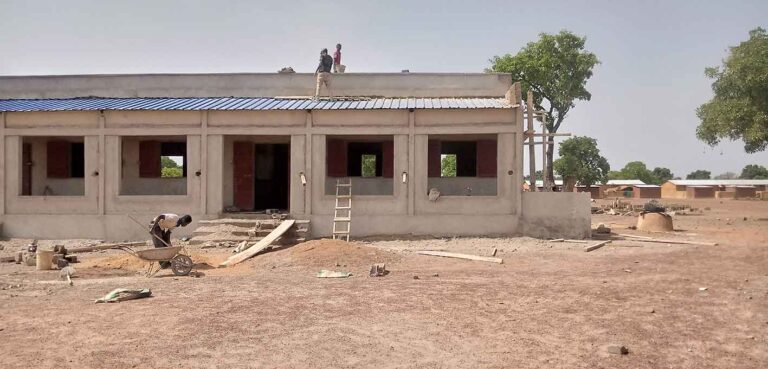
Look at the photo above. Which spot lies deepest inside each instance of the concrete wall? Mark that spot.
(671, 191)
(255, 85)
(463, 186)
(364, 186)
(556, 214)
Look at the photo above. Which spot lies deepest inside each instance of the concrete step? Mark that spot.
(246, 223)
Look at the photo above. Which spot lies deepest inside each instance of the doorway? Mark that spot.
(261, 176)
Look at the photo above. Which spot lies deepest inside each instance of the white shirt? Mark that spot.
(169, 222)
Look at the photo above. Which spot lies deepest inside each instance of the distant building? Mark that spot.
(721, 188)
(645, 191)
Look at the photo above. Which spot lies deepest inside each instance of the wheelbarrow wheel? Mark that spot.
(181, 265)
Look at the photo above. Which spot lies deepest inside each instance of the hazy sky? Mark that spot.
(644, 94)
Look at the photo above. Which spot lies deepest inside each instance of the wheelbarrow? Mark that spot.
(180, 264)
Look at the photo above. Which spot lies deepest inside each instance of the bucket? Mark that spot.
(44, 259)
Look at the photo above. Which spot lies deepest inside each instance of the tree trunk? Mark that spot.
(549, 173)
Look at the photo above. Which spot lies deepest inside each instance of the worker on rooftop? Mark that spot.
(323, 72)
(337, 67)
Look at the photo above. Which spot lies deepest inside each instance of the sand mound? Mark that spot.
(326, 253)
(131, 263)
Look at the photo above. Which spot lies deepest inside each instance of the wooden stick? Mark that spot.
(104, 246)
(596, 246)
(634, 236)
(681, 242)
(460, 256)
(577, 241)
(557, 240)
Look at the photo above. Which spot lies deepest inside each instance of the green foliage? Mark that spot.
(739, 109)
(171, 172)
(556, 68)
(699, 174)
(580, 158)
(754, 171)
(661, 175)
(528, 176)
(635, 170)
(167, 162)
(727, 175)
(369, 166)
(448, 166)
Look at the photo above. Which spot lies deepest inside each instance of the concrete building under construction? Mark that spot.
(79, 153)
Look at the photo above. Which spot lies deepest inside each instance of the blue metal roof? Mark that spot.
(248, 103)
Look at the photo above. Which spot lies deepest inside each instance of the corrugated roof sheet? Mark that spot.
(248, 103)
(719, 182)
(624, 182)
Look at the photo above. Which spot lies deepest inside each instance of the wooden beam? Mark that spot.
(678, 242)
(596, 246)
(460, 256)
(531, 149)
(261, 245)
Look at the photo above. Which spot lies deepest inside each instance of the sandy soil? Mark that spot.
(548, 305)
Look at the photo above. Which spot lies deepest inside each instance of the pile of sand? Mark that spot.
(327, 253)
(131, 263)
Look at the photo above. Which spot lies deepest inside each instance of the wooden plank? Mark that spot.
(596, 246)
(531, 150)
(679, 242)
(634, 236)
(460, 256)
(261, 245)
(104, 246)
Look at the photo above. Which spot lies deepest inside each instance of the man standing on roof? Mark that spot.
(323, 72)
(337, 67)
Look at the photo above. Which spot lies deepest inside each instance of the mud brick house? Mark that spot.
(79, 153)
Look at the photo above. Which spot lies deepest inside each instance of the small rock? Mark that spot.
(617, 350)
(435, 275)
(703, 288)
(751, 337)
(415, 277)
(627, 270)
(651, 310)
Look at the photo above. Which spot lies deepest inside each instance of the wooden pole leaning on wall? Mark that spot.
(531, 148)
(544, 180)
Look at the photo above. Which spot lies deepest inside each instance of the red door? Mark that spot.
(243, 175)
(26, 171)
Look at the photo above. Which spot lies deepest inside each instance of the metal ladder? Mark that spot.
(342, 213)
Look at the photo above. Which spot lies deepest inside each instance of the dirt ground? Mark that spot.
(548, 305)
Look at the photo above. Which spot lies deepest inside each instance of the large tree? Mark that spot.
(635, 170)
(556, 68)
(727, 175)
(580, 159)
(739, 108)
(754, 171)
(662, 175)
(699, 174)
